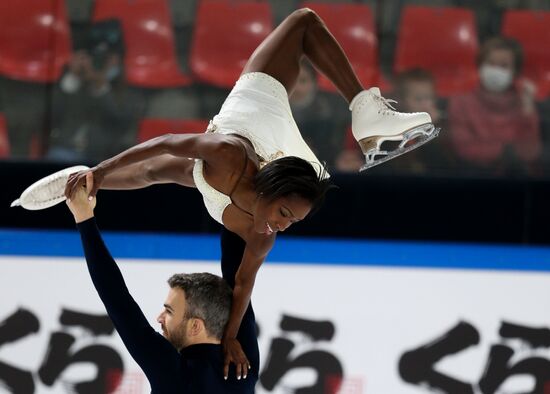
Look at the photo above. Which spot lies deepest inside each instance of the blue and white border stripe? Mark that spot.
(288, 250)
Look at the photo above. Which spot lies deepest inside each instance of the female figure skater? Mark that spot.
(255, 172)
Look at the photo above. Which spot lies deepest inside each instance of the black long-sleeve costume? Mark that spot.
(197, 368)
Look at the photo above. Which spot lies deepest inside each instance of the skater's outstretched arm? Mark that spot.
(304, 33)
(159, 169)
(150, 157)
(253, 255)
(233, 248)
(156, 356)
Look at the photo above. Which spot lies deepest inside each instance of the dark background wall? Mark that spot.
(364, 206)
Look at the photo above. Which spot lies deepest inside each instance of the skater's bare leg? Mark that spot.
(303, 33)
(374, 121)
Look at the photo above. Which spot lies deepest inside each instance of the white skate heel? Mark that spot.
(374, 121)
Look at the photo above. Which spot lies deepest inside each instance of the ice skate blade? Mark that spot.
(400, 151)
(371, 145)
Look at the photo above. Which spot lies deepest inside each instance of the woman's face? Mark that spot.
(496, 73)
(502, 58)
(276, 215)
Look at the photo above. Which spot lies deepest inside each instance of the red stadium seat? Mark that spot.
(354, 28)
(532, 30)
(442, 40)
(150, 58)
(4, 139)
(35, 41)
(152, 127)
(226, 33)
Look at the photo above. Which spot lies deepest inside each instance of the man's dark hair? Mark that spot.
(292, 175)
(208, 298)
(506, 43)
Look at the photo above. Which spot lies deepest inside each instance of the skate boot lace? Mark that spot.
(385, 107)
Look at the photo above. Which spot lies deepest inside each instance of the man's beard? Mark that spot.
(178, 338)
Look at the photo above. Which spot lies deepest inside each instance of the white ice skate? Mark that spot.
(374, 120)
(47, 191)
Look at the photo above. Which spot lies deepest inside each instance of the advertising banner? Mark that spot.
(333, 316)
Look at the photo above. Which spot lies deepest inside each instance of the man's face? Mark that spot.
(420, 96)
(172, 318)
(304, 89)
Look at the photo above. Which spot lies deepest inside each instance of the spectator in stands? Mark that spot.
(94, 111)
(315, 117)
(495, 128)
(415, 91)
(350, 159)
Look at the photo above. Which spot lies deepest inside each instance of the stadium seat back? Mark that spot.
(35, 41)
(532, 30)
(442, 40)
(150, 60)
(225, 35)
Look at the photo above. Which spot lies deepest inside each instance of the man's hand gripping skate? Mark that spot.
(80, 205)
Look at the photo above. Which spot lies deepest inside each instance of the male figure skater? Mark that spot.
(187, 357)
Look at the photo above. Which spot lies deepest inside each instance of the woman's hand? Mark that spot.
(80, 180)
(233, 353)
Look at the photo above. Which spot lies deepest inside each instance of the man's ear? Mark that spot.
(196, 327)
